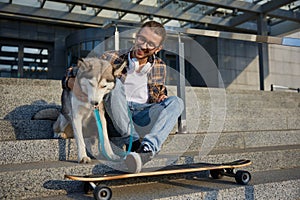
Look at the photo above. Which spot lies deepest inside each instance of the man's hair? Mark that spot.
(157, 28)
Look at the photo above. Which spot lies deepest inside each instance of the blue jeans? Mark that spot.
(152, 122)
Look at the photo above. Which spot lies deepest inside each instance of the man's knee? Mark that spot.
(176, 103)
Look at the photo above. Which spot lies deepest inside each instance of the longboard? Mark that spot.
(217, 171)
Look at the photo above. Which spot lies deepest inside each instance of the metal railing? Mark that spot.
(279, 87)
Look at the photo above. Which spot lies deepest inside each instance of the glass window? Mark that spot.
(26, 68)
(5, 68)
(82, 46)
(28, 59)
(9, 48)
(32, 50)
(45, 52)
(7, 58)
(14, 67)
(89, 45)
(34, 60)
(96, 43)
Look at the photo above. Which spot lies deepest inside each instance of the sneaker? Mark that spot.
(135, 160)
(145, 153)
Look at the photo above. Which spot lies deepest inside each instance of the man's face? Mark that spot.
(146, 44)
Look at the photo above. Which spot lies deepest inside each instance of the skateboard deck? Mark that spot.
(216, 172)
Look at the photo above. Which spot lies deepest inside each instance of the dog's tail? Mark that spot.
(47, 114)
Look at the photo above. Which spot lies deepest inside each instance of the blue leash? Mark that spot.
(101, 136)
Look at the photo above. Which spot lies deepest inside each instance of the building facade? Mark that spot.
(45, 50)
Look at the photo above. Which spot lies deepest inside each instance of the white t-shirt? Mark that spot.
(136, 87)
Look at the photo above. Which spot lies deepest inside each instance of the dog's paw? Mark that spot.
(85, 160)
(60, 135)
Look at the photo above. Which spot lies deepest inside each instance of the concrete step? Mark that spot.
(237, 94)
(207, 109)
(238, 102)
(26, 112)
(231, 140)
(22, 151)
(242, 98)
(36, 180)
(235, 112)
(261, 112)
(240, 124)
(24, 97)
(274, 184)
(42, 129)
(20, 96)
(263, 158)
(25, 129)
(23, 181)
(50, 90)
(26, 151)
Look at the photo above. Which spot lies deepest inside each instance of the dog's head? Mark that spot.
(96, 78)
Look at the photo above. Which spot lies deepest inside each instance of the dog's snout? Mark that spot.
(94, 103)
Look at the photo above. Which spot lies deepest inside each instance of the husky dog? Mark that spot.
(95, 79)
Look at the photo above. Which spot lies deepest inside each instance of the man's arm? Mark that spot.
(157, 93)
(156, 82)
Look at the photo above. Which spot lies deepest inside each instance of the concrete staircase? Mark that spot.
(223, 126)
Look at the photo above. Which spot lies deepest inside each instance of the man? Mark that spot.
(142, 89)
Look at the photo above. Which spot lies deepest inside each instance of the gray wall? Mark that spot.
(238, 64)
(284, 65)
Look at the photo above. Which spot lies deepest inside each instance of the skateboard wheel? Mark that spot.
(102, 193)
(242, 177)
(217, 173)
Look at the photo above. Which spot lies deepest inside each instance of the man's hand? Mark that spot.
(162, 97)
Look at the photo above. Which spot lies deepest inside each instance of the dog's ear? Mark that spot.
(119, 69)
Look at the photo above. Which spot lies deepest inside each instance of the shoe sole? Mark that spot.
(133, 162)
